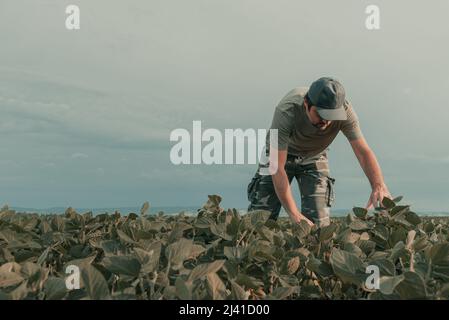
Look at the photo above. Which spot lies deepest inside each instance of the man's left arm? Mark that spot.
(370, 166)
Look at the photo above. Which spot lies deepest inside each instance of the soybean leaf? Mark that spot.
(95, 284)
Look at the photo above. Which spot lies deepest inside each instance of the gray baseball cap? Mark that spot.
(328, 96)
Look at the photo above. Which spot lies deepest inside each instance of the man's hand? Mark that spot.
(297, 219)
(371, 167)
(378, 193)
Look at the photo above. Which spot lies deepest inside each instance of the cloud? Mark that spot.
(72, 113)
(118, 89)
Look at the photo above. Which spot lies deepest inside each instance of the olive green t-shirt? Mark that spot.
(298, 135)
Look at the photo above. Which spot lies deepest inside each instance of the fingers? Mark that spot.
(386, 193)
(372, 202)
(310, 222)
(376, 197)
(377, 201)
(369, 205)
(298, 220)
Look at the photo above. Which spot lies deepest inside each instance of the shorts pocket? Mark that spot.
(252, 187)
(330, 192)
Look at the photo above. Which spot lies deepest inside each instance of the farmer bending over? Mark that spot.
(307, 121)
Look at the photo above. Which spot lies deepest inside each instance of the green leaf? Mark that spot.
(178, 252)
(213, 203)
(111, 247)
(248, 281)
(183, 289)
(238, 293)
(153, 264)
(146, 259)
(234, 253)
(386, 267)
(259, 216)
(95, 284)
(292, 265)
(420, 243)
(232, 228)
(321, 268)
(282, 293)
(360, 212)
(216, 287)
(8, 279)
(81, 263)
(388, 203)
(178, 231)
(398, 251)
(55, 289)
(328, 232)
(127, 265)
(196, 251)
(20, 292)
(57, 223)
(347, 266)
(31, 270)
(387, 284)
(10, 274)
(359, 225)
(301, 229)
(353, 248)
(439, 253)
(43, 257)
(412, 287)
(266, 233)
(413, 218)
(124, 237)
(220, 231)
(144, 208)
(204, 269)
(399, 210)
(367, 246)
(398, 235)
(380, 232)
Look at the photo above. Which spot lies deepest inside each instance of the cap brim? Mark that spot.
(333, 114)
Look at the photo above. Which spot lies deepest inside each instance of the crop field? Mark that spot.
(220, 254)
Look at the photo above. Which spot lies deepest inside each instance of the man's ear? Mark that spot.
(306, 103)
(308, 107)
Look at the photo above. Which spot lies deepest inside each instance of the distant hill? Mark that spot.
(175, 210)
(122, 210)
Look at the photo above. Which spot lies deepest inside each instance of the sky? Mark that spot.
(86, 115)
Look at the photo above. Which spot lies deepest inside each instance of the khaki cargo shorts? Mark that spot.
(315, 185)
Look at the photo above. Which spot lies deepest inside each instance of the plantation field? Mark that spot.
(219, 254)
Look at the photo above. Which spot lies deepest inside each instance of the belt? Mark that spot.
(291, 157)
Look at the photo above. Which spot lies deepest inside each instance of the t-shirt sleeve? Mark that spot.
(351, 126)
(283, 123)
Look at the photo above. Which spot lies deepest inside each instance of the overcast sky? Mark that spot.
(86, 115)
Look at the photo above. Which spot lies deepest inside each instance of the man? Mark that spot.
(307, 121)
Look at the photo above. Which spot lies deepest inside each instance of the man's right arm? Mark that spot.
(282, 185)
